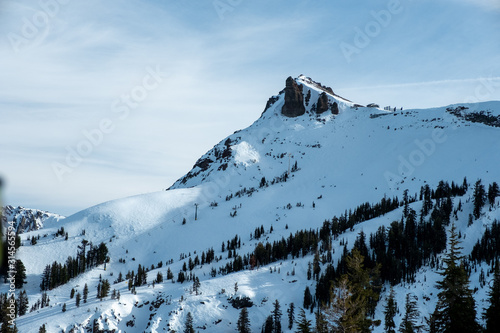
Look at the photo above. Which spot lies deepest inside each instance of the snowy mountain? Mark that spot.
(312, 155)
(28, 219)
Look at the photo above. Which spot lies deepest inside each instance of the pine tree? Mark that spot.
(389, 313)
(493, 192)
(344, 314)
(276, 317)
(22, 302)
(42, 329)
(291, 315)
(455, 310)
(492, 313)
(321, 322)
(188, 325)
(268, 325)
(307, 298)
(20, 277)
(243, 323)
(77, 299)
(427, 204)
(409, 322)
(85, 293)
(303, 324)
(479, 198)
(8, 323)
(354, 297)
(196, 286)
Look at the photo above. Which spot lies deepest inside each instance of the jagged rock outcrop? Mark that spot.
(294, 99)
(270, 102)
(322, 104)
(335, 108)
(27, 219)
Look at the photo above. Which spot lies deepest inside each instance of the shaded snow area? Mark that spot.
(288, 174)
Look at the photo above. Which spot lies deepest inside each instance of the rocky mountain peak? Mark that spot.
(294, 99)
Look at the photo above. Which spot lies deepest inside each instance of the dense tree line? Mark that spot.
(400, 250)
(488, 247)
(58, 274)
(363, 212)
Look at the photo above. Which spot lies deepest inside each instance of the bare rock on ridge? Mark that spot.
(294, 99)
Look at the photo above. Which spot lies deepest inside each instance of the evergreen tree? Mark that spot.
(303, 324)
(344, 315)
(355, 297)
(188, 325)
(22, 303)
(20, 276)
(8, 323)
(492, 313)
(103, 289)
(389, 313)
(196, 286)
(493, 192)
(77, 299)
(406, 203)
(427, 204)
(276, 317)
(42, 329)
(170, 275)
(321, 322)
(268, 325)
(455, 310)
(307, 298)
(291, 315)
(479, 198)
(243, 323)
(409, 322)
(85, 293)
(159, 277)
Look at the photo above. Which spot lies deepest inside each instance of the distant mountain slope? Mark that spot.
(28, 219)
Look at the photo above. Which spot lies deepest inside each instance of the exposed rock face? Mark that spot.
(294, 99)
(27, 219)
(270, 102)
(335, 108)
(322, 104)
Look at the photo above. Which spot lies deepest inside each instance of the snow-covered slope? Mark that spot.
(290, 173)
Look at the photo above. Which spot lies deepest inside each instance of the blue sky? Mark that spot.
(199, 70)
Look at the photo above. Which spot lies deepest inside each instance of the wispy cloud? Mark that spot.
(425, 83)
(486, 4)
